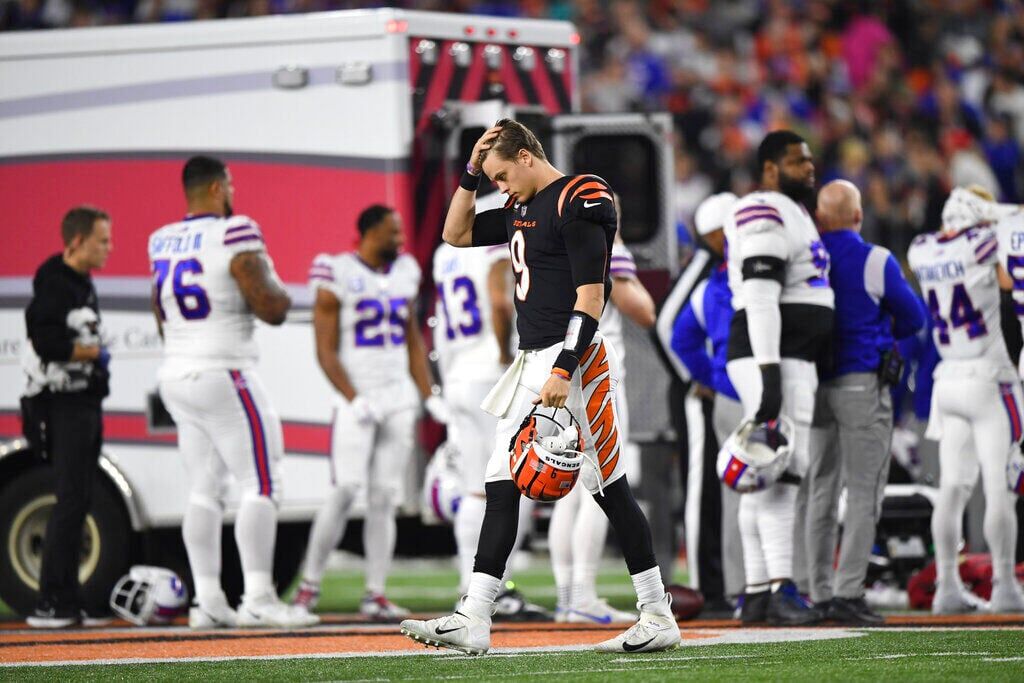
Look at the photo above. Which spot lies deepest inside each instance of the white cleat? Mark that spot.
(562, 615)
(267, 611)
(599, 612)
(212, 614)
(656, 630)
(956, 600)
(1007, 598)
(376, 606)
(460, 631)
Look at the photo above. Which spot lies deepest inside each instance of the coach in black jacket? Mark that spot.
(66, 363)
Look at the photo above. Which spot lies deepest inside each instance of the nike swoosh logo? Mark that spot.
(629, 647)
(588, 205)
(441, 631)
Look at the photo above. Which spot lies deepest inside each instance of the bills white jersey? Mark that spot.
(376, 306)
(958, 280)
(207, 324)
(464, 335)
(622, 266)
(1010, 235)
(771, 224)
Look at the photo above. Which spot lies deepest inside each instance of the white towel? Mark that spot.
(499, 398)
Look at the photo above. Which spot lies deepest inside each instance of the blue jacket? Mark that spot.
(874, 303)
(707, 315)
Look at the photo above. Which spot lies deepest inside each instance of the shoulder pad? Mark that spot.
(587, 197)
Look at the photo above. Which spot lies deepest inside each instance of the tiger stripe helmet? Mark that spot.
(545, 468)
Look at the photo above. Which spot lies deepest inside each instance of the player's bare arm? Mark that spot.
(458, 222)
(418, 366)
(260, 287)
(1005, 281)
(634, 301)
(499, 287)
(326, 315)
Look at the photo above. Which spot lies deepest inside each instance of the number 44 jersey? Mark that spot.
(375, 308)
(206, 322)
(957, 274)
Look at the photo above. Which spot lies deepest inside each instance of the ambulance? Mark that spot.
(317, 116)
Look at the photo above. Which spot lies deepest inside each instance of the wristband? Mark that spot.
(473, 171)
(559, 372)
(578, 336)
(469, 182)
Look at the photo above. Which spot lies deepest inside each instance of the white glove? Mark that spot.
(438, 409)
(366, 414)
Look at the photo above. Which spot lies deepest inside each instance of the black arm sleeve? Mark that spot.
(587, 247)
(46, 322)
(489, 228)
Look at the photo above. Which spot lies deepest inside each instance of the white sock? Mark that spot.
(379, 532)
(483, 590)
(775, 523)
(255, 533)
(587, 546)
(201, 530)
(560, 545)
(649, 589)
(326, 532)
(754, 567)
(468, 520)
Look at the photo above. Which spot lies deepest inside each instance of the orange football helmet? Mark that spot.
(545, 468)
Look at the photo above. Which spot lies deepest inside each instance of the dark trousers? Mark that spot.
(75, 430)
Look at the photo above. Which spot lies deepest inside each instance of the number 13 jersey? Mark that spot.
(375, 308)
(206, 322)
(958, 280)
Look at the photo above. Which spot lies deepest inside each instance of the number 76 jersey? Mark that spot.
(957, 274)
(375, 308)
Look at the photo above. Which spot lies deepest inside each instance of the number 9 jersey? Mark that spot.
(957, 274)
(375, 308)
(207, 324)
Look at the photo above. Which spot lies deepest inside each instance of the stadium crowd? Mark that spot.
(905, 99)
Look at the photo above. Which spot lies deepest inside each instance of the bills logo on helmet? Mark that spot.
(755, 455)
(149, 595)
(442, 486)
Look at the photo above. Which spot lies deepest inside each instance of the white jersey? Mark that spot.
(771, 224)
(621, 266)
(207, 324)
(376, 306)
(1010, 235)
(958, 280)
(464, 335)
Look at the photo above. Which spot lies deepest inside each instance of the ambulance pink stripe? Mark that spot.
(256, 431)
(1012, 412)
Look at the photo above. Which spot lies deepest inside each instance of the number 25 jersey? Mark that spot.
(206, 321)
(375, 308)
(958, 280)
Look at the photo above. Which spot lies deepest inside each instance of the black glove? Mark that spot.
(771, 393)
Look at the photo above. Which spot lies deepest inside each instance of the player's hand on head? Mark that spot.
(554, 393)
(481, 146)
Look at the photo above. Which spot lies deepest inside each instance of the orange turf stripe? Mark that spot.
(565, 191)
(588, 186)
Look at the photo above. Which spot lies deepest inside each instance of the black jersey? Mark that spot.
(545, 293)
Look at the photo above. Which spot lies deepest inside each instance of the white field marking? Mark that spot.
(904, 655)
(1003, 659)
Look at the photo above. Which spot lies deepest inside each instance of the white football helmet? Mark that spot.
(442, 485)
(1015, 472)
(965, 209)
(149, 595)
(756, 454)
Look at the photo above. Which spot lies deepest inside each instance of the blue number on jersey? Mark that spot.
(192, 299)
(464, 287)
(962, 313)
(1015, 268)
(370, 330)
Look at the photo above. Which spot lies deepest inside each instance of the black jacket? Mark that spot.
(64, 310)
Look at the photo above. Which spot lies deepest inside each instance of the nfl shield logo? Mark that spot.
(356, 284)
(522, 210)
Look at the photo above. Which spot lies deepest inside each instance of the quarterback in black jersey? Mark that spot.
(560, 231)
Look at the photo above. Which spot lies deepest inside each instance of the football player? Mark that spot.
(370, 348)
(560, 231)
(473, 339)
(778, 276)
(212, 278)
(976, 400)
(579, 528)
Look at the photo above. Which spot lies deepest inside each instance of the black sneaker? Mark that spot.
(854, 611)
(510, 605)
(754, 607)
(786, 607)
(51, 615)
(94, 618)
